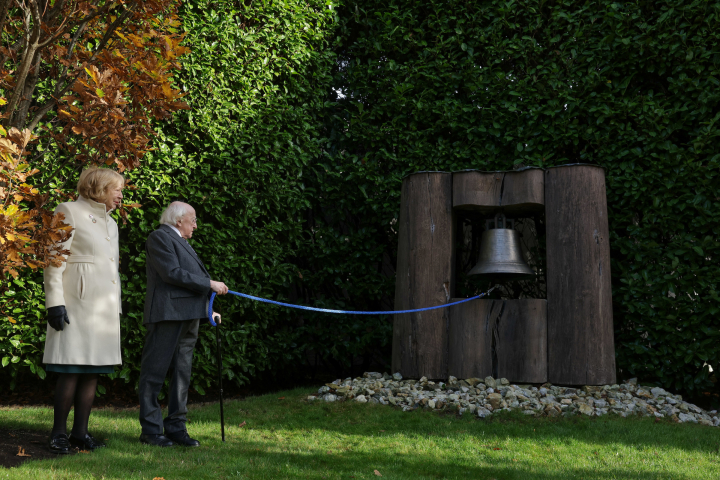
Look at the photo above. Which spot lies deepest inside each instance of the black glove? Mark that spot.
(56, 316)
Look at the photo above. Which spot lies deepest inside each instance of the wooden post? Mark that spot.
(502, 338)
(521, 345)
(424, 276)
(470, 338)
(581, 349)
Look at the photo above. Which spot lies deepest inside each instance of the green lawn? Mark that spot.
(288, 438)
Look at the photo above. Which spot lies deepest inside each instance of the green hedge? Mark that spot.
(304, 121)
(256, 80)
(257, 76)
(493, 85)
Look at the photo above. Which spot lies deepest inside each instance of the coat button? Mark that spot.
(107, 238)
(114, 281)
(112, 259)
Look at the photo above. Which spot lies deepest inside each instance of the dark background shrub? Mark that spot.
(452, 85)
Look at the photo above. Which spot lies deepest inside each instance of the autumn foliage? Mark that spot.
(84, 80)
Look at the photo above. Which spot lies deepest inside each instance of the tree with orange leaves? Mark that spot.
(83, 80)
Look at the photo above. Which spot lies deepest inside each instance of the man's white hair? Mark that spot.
(173, 213)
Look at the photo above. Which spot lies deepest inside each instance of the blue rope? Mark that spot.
(346, 312)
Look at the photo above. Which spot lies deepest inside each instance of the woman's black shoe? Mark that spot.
(59, 444)
(88, 442)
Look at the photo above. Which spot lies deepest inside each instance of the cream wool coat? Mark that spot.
(88, 284)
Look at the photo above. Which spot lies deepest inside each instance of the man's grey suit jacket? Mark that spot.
(178, 285)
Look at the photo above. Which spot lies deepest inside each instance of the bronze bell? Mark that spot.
(500, 255)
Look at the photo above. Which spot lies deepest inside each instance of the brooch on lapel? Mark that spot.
(92, 218)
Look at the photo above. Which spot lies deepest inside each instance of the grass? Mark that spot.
(288, 438)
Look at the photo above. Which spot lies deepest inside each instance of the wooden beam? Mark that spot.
(515, 192)
(477, 190)
(470, 337)
(521, 345)
(581, 348)
(500, 338)
(523, 191)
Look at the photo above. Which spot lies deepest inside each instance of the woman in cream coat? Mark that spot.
(83, 304)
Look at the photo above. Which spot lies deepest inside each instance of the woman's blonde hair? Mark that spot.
(94, 182)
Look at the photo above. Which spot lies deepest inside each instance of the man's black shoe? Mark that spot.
(59, 444)
(88, 442)
(157, 440)
(182, 438)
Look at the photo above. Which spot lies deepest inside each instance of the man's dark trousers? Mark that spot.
(178, 336)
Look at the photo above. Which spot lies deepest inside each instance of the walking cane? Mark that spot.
(220, 367)
(219, 362)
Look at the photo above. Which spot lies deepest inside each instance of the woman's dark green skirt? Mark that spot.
(54, 367)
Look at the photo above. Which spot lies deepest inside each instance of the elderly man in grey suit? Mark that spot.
(178, 290)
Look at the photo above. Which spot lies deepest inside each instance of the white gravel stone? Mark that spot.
(483, 412)
(687, 417)
(656, 392)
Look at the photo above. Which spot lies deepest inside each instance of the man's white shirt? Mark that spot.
(176, 230)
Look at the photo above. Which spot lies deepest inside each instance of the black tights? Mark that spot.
(76, 389)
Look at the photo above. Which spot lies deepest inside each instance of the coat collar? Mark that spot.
(93, 204)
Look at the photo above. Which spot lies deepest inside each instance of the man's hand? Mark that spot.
(218, 287)
(217, 318)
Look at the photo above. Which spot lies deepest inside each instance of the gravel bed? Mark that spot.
(483, 397)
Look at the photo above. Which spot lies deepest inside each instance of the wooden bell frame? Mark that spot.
(565, 339)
